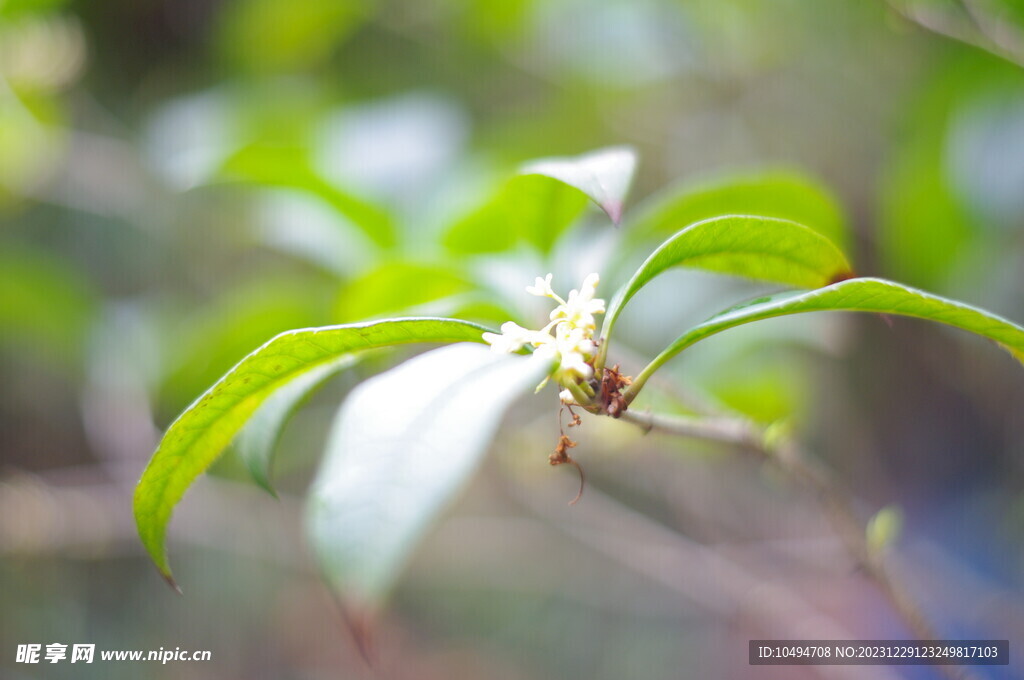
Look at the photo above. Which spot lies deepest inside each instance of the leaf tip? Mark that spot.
(361, 624)
(263, 482)
(614, 211)
(844, 275)
(1014, 352)
(171, 582)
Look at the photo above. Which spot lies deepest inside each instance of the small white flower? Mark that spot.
(512, 339)
(580, 308)
(565, 396)
(547, 351)
(574, 340)
(573, 368)
(542, 288)
(572, 347)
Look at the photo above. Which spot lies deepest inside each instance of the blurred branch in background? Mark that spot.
(703, 575)
(851, 530)
(77, 513)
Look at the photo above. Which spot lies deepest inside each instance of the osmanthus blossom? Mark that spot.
(571, 347)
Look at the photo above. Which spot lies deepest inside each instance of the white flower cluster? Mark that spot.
(572, 346)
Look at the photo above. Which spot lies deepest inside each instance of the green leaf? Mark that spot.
(604, 175)
(854, 295)
(212, 336)
(771, 193)
(289, 167)
(402, 445)
(395, 286)
(527, 208)
(46, 307)
(543, 200)
(198, 436)
(256, 442)
(765, 248)
(933, 228)
(766, 388)
(293, 35)
(16, 9)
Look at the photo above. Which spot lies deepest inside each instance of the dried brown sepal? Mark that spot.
(576, 420)
(561, 454)
(561, 457)
(612, 382)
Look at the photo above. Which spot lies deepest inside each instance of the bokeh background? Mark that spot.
(182, 179)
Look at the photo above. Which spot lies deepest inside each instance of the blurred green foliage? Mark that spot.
(181, 179)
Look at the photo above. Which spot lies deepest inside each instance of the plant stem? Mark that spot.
(839, 506)
(578, 393)
(629, 394)
(735, 431)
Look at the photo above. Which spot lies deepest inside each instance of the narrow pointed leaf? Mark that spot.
(402, 445)
(539, 204)
(290, 168)
(854, 295)
(766, 248)
(205, 428)
(604, 175)
(256, 442)
(529, 209)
